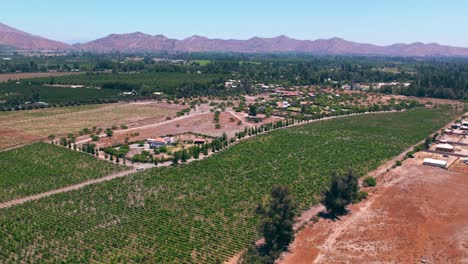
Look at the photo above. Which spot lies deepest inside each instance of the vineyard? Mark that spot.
(41, 167)
(204, 212)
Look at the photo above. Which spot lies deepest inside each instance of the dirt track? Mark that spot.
(66, 189)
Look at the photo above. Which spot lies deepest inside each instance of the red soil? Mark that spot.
(416, 213)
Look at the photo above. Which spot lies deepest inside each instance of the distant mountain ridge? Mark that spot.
(140, 42)
(24, 41)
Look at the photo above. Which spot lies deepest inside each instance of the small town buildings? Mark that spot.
(435, 163)
(286, 93)
(283, 104)
(445, 147)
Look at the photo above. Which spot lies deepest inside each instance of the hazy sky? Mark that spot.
(373, 21)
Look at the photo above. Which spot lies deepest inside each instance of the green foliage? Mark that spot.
(204, 211)
(41, 167)
(369, 182)
(120, 152)
(109, 132)
(343, 191)
(361, 195)
(277, 220)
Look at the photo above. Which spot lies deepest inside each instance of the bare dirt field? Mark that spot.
(11, 137)
(199, 122)
(43, 122)
(4, 77)
(417, 214)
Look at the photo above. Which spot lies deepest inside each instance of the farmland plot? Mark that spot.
(41, 167)
(72, 119)
(204, 212)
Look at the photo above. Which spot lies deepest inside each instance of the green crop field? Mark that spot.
(41, 167)
(161, 81)
(54, 95)
(204, 212)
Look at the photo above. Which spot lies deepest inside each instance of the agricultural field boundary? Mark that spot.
(165, 164)
(66, 189)
(380, 171)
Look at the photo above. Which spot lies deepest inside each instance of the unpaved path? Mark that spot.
(66, 189)
(147, 126)
(239, 118)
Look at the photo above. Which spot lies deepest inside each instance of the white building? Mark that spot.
(435, 163)
(445, 147)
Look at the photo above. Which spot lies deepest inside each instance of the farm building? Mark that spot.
(445, 147)
(435, 163)
(257, 118)
(287, 93)
(200, 141)
(131, 93)
(283, 104)
(160, 142)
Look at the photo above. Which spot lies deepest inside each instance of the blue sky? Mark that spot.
(376, 21)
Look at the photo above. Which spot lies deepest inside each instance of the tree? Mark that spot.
(184, 155)
(252, 110)
(343, 191)
(427, 143)
(109, 132)
(277, 219)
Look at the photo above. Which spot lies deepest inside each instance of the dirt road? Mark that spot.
(66, 189)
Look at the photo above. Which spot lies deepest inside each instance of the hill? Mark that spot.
(140, 42)
(24, 41)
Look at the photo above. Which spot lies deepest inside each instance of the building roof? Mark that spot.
(160, 140)
(445, 146)
(435, 161)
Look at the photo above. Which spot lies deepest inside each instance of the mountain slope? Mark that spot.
(140, 42)
(24, 41)
(129, 42)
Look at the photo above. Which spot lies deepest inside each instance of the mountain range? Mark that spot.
(140, 42)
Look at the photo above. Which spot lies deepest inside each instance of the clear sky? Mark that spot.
(372, 21)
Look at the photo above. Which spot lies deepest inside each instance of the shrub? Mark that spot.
(369, 182)
(398, 163)
(361, 195)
